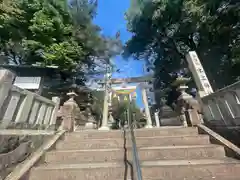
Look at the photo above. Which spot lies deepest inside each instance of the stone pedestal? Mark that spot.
(194, 112)
(157, 119)
(111, 120)
(147, 126)
(104, 128)
(91, 124)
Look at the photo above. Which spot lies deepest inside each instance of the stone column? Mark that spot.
(54, 116)
(110, 98)
(147, 111)
(104, 125)
(69, 112)
(6, 81)
(156, 114)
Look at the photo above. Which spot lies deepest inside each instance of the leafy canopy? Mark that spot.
(165, 30)
(53, 32)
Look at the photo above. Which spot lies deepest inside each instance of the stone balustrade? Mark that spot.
(223, 105)
(222, 112)
(27, 120)
(22, 109)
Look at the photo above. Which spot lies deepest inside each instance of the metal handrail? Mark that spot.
(136, 161)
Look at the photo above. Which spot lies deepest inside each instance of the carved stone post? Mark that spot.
(199, 75)
(201, 80)
(53, 120)
(6, 81)
(69, 112)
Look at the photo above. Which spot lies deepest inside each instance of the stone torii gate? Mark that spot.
(199, 76)
(142, 80)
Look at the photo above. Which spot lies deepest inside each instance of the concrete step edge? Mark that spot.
(81, 166)
(189, 162)
(140, 148)
(95, 131)
(85, 150)
(144, 164)
(174, 136)
(120, 131)
(139, 138)
(180, 147)
(168, 127)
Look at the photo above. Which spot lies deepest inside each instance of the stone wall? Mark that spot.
(16, 148)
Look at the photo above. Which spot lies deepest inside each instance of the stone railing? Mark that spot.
(23, 109)
(222, 112)
(27, 120)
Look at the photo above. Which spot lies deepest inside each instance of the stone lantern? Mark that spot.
(180, 83)
(188, 108)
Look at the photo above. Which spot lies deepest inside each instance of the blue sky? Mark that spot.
(111, 19)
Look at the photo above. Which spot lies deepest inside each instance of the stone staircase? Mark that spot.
(168, 153)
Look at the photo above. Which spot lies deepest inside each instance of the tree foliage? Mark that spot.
(119, 109)
(165, 30)
(52, 32)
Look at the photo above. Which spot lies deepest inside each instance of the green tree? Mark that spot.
(119, 109)
(53, 33)
(165, 30)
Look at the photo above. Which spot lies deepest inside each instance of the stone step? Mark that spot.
(181, 152)
(147, 153)
(163, 131)
(141, 142)
(202, 178)
(173, 141)
(166, 131)
(90, 144)
(157, 170)
(191, 169)
(93, 134)
(93, 171)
